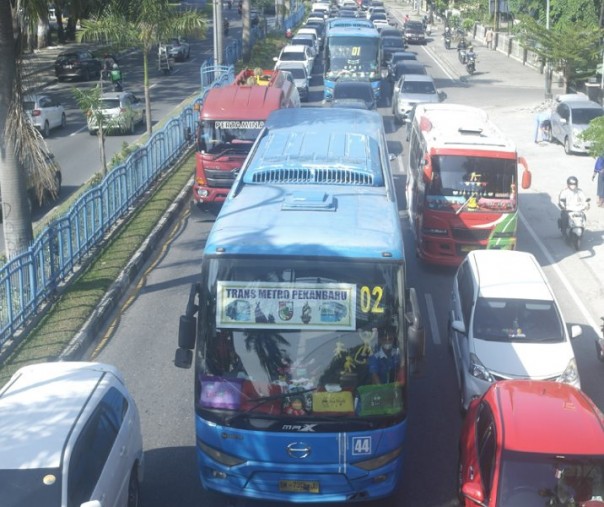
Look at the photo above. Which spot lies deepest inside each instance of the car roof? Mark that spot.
(582, 104)
(39, 407)
(293, 48)
(548, 418)
(509, 274)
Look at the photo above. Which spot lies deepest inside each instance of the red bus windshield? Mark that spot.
(472, 183)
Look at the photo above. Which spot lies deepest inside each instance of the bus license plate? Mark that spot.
(299, 486)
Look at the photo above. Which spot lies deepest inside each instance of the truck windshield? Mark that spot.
(476, 183)
(299, 339)
(223, 135)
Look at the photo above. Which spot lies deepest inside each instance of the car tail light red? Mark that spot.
(36, 112)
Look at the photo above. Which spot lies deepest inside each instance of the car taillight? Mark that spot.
(36, 112)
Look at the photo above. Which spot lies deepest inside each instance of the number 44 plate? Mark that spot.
(299, 486)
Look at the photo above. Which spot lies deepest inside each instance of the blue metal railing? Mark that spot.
(32, 277)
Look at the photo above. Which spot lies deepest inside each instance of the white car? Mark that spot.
(300, 77)
(411, 89)
(45, 113)
(505, 323)
(122, 111)
(297, 54)
(70, 436)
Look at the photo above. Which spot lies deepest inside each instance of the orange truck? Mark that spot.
(230, 119)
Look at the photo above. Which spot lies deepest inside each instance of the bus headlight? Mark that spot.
(380, 461)
(221, 457)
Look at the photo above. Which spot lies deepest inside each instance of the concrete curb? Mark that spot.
(89, 332)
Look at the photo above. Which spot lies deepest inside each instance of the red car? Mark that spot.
(528, 443)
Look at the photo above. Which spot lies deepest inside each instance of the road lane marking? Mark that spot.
(432, 320)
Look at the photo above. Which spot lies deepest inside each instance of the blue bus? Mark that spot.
(352, 53)
(302, 281)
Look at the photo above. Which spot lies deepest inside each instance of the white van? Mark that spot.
(505, 323)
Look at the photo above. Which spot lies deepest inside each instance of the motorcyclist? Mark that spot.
(116, 77)
(571, 198)
(469, 54)
(461, 50)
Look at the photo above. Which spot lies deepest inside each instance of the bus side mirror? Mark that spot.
(526, 174)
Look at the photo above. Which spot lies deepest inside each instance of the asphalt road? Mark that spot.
(143, 337)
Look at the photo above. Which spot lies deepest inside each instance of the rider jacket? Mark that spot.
(572, 200)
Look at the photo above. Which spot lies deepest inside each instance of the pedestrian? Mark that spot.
(489, 38)
(541, 120)
(599, 172)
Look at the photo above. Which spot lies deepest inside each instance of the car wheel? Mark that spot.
(133, 488)
(46, 129)
(567, 148)
(63, 121)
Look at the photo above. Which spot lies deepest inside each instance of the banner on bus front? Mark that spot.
(283, 305)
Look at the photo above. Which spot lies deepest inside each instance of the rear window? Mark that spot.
(68, 57)
(293, 57)
(419, 87)
(110, 103)
(28, 105)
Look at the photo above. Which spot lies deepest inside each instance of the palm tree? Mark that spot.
(23, 153)
(141, 24)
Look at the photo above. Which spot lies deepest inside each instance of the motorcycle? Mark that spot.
(470, 63)
(461, 55)
(574, 228)
(447, 41)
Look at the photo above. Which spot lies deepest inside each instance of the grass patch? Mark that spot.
(68, 314)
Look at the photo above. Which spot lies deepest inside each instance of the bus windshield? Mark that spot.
(287, 339)
(472, 183)
(352, 58)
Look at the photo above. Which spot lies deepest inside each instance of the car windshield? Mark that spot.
(301, 41)
(517, 320)
(277, 327)
(469, 183)
(353, 92)
(583, 116)
(39, 487)
(296, 73)
(418, 87)
(534, 480)
(378, 16)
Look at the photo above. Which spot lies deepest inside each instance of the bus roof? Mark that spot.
(344, 147)
(357, 31)
(241, 102)
(309, 219)
(454, 126)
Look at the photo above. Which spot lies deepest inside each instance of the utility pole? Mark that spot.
(218, 31)
(548, 66)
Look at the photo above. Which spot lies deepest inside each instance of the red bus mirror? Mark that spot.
(526, 174)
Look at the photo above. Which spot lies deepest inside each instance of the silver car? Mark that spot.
(300, 77)
(570, 118)
(122, 111)
(410, 90)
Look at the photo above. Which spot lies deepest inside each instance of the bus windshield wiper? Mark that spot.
(265, 399)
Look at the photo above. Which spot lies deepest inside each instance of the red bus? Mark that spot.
(462, 183)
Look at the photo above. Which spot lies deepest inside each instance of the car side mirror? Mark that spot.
(575, 331)
(459, 326)
(275, 59)
(442, 96)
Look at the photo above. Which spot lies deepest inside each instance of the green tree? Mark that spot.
(573, 47)
(142, 24)
(594, 134)
(24, 162)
